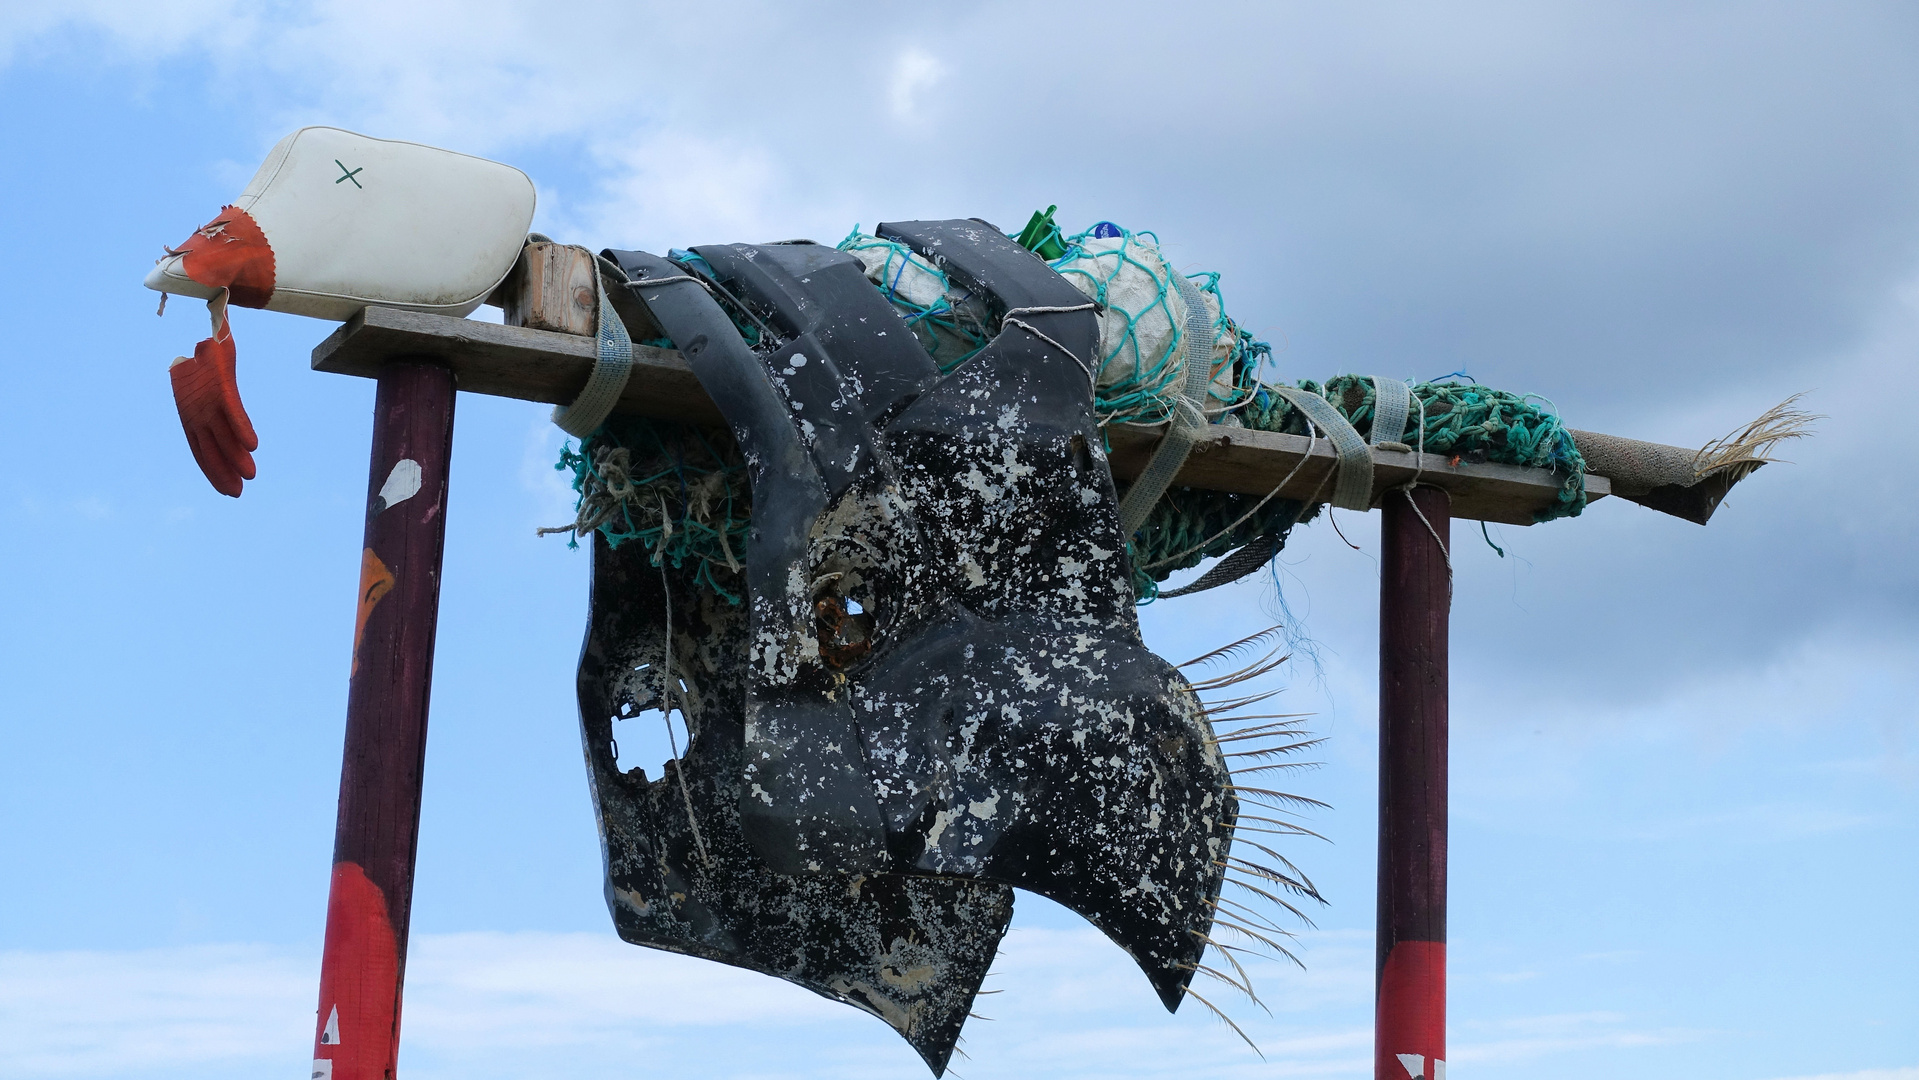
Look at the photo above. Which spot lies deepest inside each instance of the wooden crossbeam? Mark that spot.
(542, 365)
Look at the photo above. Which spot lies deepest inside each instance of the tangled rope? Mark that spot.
(668, 487)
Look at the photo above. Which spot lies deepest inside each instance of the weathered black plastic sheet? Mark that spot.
(911, 950)
(959, 623)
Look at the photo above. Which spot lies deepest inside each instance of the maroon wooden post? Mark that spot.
(364, 963)
(1415, 598)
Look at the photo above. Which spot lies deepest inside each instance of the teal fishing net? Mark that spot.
(1143, 315)
(1463, 420)
(683, 493)
(1460, 419)
(680, 492)
(947, 320)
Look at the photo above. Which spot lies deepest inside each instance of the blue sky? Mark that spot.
(1685, 761)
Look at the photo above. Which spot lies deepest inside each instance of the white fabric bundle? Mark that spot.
(1140, 350)
(948, 321)
(898, 269)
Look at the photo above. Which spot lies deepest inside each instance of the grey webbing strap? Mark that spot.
(1354, 488)
(611, 367)
(1246, 560)
(1392, 401)
(1189, 415)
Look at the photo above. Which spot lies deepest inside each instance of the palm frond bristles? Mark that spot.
(1214, 1009)
(1276, 766)
(1244, 816)
(1293, 719)
(1213, 942)
(1263, 894)
(1251, 671)
(1245, 976)
(1255, 794)
(1220, 976)
(1248, 642)
(1266, 873)
(1309, 890)
(1249, 912)
(1293, 830)
(1221, 708)
(1275, 751)
(1276, 949)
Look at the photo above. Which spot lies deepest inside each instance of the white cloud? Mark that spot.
(488, 1004)
(117, 1014)
(915, 72)
(1536, 1038)
(664, 189)
(1068, 1004)
(127, 26)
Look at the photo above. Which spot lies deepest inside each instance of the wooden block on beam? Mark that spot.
(553, 287)
(540, 365)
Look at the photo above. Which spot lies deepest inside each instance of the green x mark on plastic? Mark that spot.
(347, 174)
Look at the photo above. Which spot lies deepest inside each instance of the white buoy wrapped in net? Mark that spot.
(949, 322)
(1144, 325)
(1147, 317)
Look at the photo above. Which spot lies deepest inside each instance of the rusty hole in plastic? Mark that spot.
(844, 629)
(847, 577)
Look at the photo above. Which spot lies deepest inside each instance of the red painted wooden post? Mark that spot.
(1415, 598)
(364, 963)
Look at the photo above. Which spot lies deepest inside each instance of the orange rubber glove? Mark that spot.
(207, 394)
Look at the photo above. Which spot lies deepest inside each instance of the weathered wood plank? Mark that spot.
(512, 361)
(539, 365)
(1255, 462)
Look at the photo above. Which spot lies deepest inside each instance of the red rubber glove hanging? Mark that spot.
(231, 254)
(207, 394)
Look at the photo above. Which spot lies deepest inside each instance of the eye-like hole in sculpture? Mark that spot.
(644, 739)
(846, 611)
(844, 629)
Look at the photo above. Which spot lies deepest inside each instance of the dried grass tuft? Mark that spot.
(1750, 447)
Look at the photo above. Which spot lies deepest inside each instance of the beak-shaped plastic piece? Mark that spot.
(169, 276)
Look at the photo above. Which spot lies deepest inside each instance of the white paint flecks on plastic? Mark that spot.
(1415, 1066)
(331, 1036)
(401, 484)
(322, 1069)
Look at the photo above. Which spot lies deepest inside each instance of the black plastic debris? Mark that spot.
(679, 873)
(936, 687)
